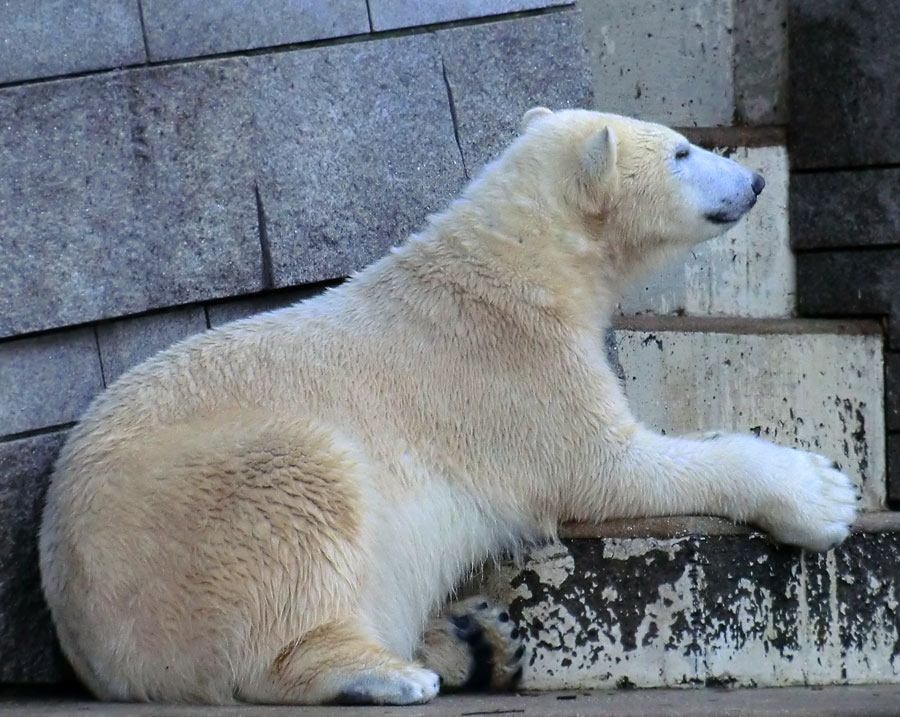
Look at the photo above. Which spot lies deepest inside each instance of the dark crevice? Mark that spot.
(847, 168)
(99, 355)
(369, 13)
(144, 29)
(38, 432)
(798, 250)
(311, 44)
(206, 316)
(453, 117)
(267, 277)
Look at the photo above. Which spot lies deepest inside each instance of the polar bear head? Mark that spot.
(640, 190)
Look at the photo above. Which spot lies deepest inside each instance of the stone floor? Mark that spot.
(862, 700)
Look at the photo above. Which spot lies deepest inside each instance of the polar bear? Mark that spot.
(269, 511)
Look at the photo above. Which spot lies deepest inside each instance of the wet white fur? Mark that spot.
(270, 510)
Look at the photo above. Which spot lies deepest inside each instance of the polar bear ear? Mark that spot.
(598, 157)
(530, 115)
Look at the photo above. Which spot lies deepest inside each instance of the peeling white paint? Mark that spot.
(779, 619)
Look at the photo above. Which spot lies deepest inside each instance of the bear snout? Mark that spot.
(757, 184)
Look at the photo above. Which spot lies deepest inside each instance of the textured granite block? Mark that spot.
(47, 380)
(761, 61)
(29, 652)
(225, 311)
(127, 342)
(499, 70)
(390, 14)
(187, 28)
(892, 390)
(355, 148)
(664, 60)
(125, 192)
(845, 209)
(845, 82)
(43, 38)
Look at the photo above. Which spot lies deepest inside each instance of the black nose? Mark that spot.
(758, 184)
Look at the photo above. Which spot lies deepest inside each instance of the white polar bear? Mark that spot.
(268, 512)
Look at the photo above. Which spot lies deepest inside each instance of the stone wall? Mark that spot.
(845, 181)
(170, 165)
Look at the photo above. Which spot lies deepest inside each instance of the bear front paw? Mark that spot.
(813, 503)
(474, 645)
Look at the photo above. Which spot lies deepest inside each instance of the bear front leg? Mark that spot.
(799, 498)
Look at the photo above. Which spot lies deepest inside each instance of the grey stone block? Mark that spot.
(125, 192)
(851, 283)
(499, 70)
(29, 652)
(47, 380)
(226, 311)
(187, 28)
(127, 342)
(845, 82)
(845, 209)
(761, 61)
(893, 470)
(892, 391)
(665, 61)
(390, 14)
(44, 38)
(355, 147)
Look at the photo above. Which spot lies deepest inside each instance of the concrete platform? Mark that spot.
(862, 701)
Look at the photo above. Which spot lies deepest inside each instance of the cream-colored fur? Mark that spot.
(269, 511)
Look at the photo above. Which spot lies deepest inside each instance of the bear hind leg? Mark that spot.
(337, 664)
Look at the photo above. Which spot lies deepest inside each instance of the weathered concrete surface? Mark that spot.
(339, 179)
(748, 272)
(665, 61)
(125, 192)
(391, 14)
(187, 28)
(868, 701)
(820, 392)
(706, 610)
(58, 37)
(27, 642)
(127, 342)
(47, 380)
(497, 71)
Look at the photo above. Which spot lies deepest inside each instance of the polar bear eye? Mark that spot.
(682, 153)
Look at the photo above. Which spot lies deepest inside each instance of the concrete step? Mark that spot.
(870, 701)
(816, 385)
(700, 602)
(748, 272)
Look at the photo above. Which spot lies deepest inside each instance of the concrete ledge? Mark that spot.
(679, 526)
(739, 325)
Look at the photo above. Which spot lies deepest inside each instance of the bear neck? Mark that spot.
(541, 256)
